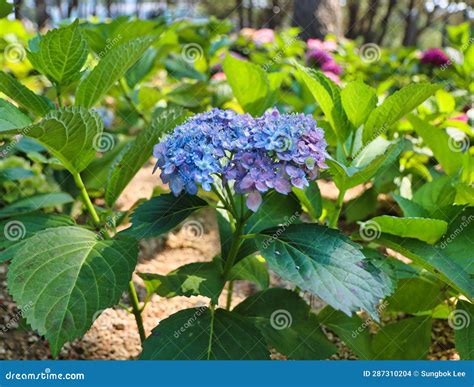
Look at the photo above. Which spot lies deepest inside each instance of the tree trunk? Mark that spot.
(385, 20)
(371, 13)
(18, 5)
(72, 6)
(250, 14)
(240, 11)
(410, 36)
(352, 27)
(317, 18)
(108, 7)
(41, 13)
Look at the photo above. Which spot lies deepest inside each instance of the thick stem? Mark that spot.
(131, 102)
(209, 346)
(86, 199)
(234, 249)
(337, 210)
(136, 310)
(230, 290)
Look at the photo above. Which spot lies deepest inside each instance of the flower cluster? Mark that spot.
(274, 151)
(322, 59)
(435, 57)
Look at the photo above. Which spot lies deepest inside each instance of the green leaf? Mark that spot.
(435, 194)
(374, 157)
(324, 262)
(435, 260)
(252, 269)
(438, 141)
(23, 227)
(276, 209)
(36, 202)
(15, 174)
(249, 83)
(352, 330)
(395, 107)
(141, 69)
(109, 70)
(24, 96)
(190, 95)
(287, 324)
(179, 68)
(362, 206)
(408, 339)
(410, 208)
(61, 54)
(358, 100)
(200, 334)
(416, 295)
(310, 199)
(424, 229)
(5, 8)
(194, 279)
(70, 134)
(11, 117)
(462, 320)
(68, 274)
(328, 97)
(161, 214)
(136, 154)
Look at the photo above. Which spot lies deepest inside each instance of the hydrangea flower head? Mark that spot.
(434, 57)
(275, 151)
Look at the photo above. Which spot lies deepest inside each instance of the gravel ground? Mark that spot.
(114, 335)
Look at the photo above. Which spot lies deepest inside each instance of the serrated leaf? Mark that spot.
(35, 202)
(358, 101)
(68, 274)
(438, 141)
(424, 229)
(5, 8)
(395, 107)
(310, 199)
(352, 330)
(109, 70)
(462, 320)
(195, 279)
(410, 208)
(11, 117)
(161, 214)
(324, 262)
(328, 97)
(131, 159)
(61, 54)
(23, 96)
(200, 334)
(287, 324)
(435, 194)
(70, 134)
(408, 339)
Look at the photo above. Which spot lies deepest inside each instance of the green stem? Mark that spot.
(136, 310)
(230, 290)
(209, 346)
(59, 96)
(86, 199)
(234, 249)
(131, 102)
(337, 210)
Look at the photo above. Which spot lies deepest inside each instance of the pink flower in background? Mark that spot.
(318, 57)
(434, 57)
(332, 67)
(263, 36)
(333, 77)
(461, 117)
(220, 76)
(316, 44)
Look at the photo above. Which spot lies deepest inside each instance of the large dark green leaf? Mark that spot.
(408, 339)
(136, 153)
(287, 324)
(251, 268)
(462, 321)
(36, 202)
(200, 334)
(161, 214)
(194, 279)
(310, 199)
(109, 70)
(67, 275)
(358, 100)
(5, 8)
(324, 262)
(24, 96)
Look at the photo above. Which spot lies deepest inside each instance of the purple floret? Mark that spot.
(434, 57)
